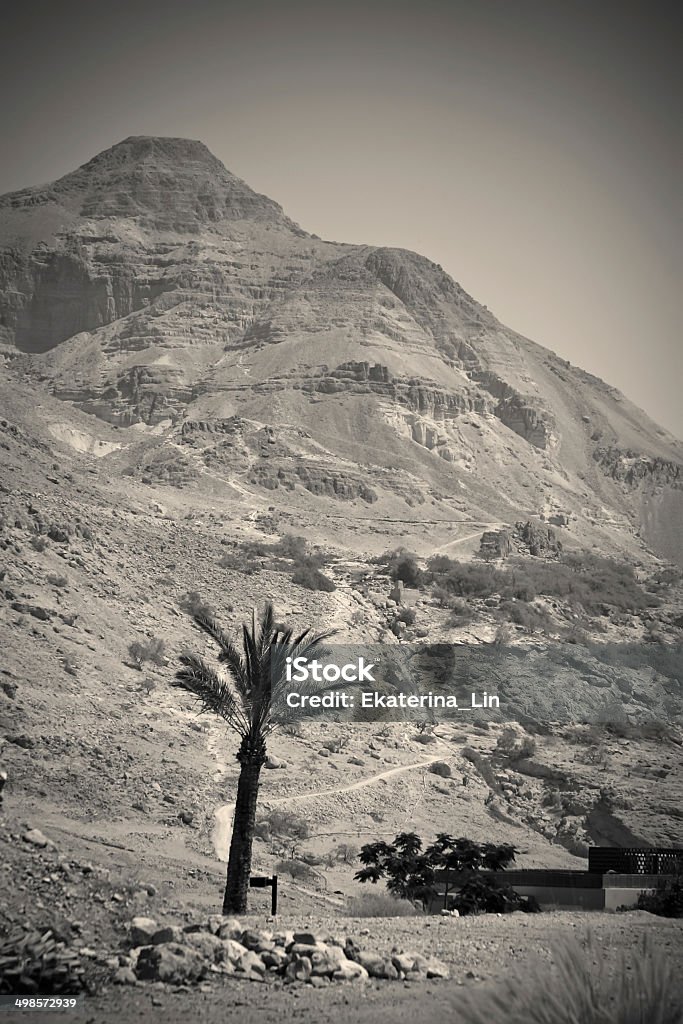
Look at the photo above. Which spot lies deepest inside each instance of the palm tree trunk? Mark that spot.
(239, 861)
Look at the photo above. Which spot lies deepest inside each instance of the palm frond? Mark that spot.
(229, 655)
(211, 691)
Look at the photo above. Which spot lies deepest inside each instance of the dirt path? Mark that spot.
(469, 536)
(223, 826)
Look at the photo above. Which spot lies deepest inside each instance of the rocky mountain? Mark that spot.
(156, 291)
(204, 407)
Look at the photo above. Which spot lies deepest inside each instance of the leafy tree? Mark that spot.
(410, 870)
(250, 696)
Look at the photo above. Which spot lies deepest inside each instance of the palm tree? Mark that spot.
(250, 697)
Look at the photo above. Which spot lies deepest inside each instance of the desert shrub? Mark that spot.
(193, 603)
(407, 615)
(38, 542)
(503, 635)
(346, 853)
(285, 830)
(152, 650)
(247, 558)
(583, 579)
(583, 986)
(312, 578)
(148, 685)
(666, 900)
(381, 904)
(402, 565)
(482, 895)
(296, 869)
(292, 546)
(424, 738)
(524, 615)
(515, 744)
(441, 768)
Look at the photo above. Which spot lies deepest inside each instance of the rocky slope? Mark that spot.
(151, 287)
(188, 378)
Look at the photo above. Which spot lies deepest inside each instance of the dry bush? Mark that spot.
(582, 990)
(381, 904)
(152, 650)
(515, 744)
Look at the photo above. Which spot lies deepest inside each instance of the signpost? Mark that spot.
(262, 882)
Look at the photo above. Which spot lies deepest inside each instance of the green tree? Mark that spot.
(250, 696)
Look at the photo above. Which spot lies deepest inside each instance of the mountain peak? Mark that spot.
(164, 183)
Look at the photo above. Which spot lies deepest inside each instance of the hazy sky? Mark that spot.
(533, 149)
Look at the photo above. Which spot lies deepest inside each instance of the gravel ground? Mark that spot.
(480, 951)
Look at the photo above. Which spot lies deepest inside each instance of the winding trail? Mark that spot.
(223, 827)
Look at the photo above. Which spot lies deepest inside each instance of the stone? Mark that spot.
(36, 838)
(274, 958)
(252, 938)
(298, 969)
(230, 929)
(209, 946)
(327, 961)
(251, 963)
(351, 971)
(307, 948)
(169, 934)
(437, 969)
(141, 930)
(403, 961)
(172, 963)
(376, 965)
(307, 938)
(234, 951)
(124, 976)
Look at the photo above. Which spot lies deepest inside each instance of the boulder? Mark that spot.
(230, 929)
(251, 964)
(36, 838)
(327, 961)
(376, 965)
(169, 934)
(351, 971)
(298, 969)
(254, 938)
(141, 930)
(233, 950)
(171, 963)
(274, 958)
(209, 946)
(124, 976)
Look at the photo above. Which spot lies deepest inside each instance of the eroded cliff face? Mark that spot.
(152, 287)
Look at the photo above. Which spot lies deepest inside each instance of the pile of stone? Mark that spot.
(220, 945)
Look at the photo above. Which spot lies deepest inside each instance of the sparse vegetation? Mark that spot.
(666, 900)
(193, 603)
(515, 745)
(582, 987)
(296, 869)
(381, 904)
(312, 578)
(152, 650)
